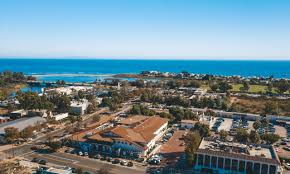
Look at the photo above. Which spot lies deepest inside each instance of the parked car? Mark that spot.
(80, 153)
(116, 161)
(140, 160)
(35, 160)
(42, 162)
(86, 154)
(109, 159)
(34, 148)
(130, 164)
(124, 163)
(103, 158)
(98, 156)
(287, 166)
(286, 148)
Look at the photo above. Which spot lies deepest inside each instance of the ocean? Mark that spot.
(88, 70)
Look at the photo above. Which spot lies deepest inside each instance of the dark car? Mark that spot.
(130, 164)
(109, 159)
(42, 162)
(140, 160)
(73, 170)
(35, 160)
(116, 161)
(34, 148)
(103, 158)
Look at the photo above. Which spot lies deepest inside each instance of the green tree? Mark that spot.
(192, 141)
(96, 118)
(224, 86)
(202, 129)
(79, 171)
(54, 145)
(223, 135)
(269, 88)
(271, 108)
(257, 124)
(245, 87)
(270, 138)
(282, 86)
(11, 134)
(105, 169)
(214, 87)
(264, 122)
(242, 135)
(254, 137)
(27, 132)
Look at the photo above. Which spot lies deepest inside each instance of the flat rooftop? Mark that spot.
(236, 148)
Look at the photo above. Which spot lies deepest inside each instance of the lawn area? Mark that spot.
(253, 88)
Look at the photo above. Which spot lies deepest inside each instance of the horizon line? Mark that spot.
(148, 58)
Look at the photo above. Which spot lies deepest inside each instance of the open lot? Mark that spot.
(226, 125)
(281, 131)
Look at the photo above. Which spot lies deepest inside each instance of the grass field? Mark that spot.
(253, 88)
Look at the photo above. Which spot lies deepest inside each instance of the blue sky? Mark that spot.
(180, 29)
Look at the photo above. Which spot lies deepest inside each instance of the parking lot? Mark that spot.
(174, 148)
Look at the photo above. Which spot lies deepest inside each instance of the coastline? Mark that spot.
(73, 75)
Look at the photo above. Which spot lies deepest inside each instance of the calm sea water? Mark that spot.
(79, 70)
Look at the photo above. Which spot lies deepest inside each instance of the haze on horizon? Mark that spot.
(163, 29)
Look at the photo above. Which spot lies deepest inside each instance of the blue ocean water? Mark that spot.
(79, 70)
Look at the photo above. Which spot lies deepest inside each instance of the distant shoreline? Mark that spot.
(72, 75)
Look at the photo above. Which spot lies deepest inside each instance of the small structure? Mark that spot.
(187, 124)
(60, 116)
(4, 119)
(17, 114)
(39, 113)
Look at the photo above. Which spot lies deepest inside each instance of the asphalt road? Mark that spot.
(87, 164)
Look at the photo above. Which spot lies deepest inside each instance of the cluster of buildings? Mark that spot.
(135, 136)
(68, 90)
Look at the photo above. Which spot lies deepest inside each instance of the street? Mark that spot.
(87, 164)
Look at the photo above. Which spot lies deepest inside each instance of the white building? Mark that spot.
(60, 116)
(68, 90)
(79, 107)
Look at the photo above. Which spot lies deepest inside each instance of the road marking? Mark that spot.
(25, 154)
(74, 161)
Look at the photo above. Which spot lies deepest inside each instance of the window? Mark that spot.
(264, 168)
(242, 166)
(257, 167)
(221, 163)
(207, 161)
(228, 164)
(200, 159)
(249, 167)
(272, 169)
(235, 165)
(213, 162)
